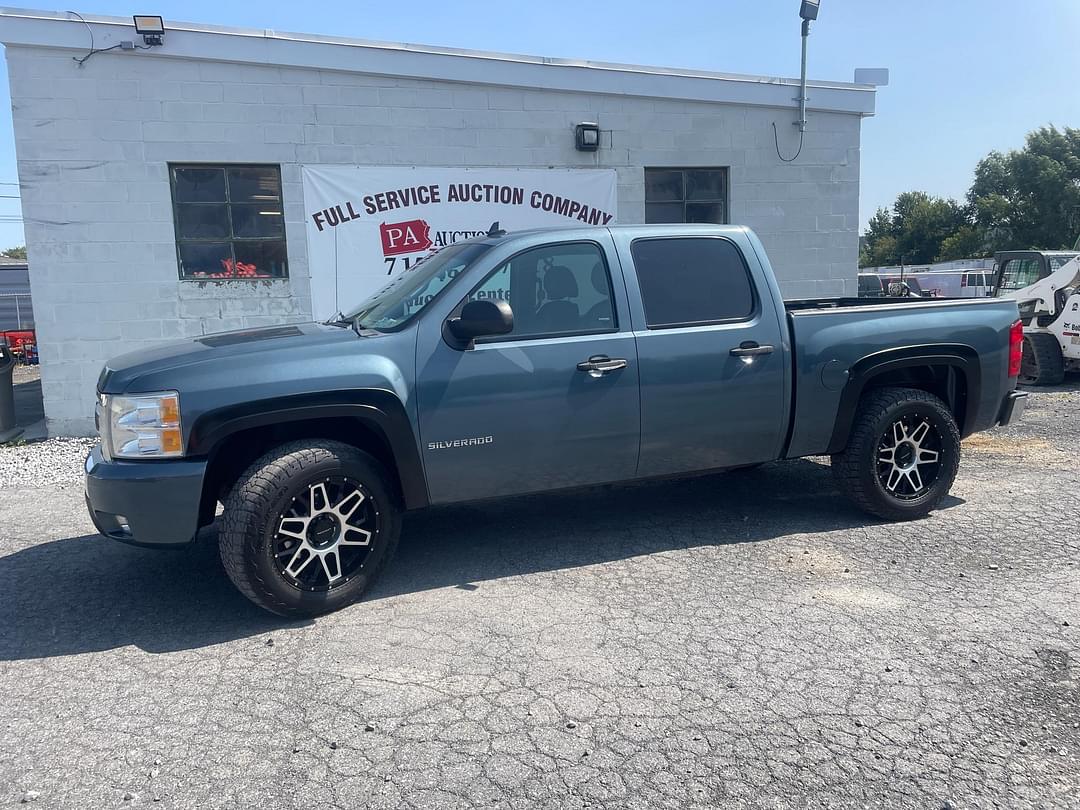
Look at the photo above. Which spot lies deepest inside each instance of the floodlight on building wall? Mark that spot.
(587, 137)
(151, 27)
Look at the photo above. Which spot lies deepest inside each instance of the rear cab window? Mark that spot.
(692, 281)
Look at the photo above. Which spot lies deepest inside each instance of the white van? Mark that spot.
(976, 283)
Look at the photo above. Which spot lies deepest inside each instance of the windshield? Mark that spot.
(1020, 273)
(412, 290)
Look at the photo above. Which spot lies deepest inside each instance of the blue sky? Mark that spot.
(968, 76)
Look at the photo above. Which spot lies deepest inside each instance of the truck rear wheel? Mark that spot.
(308, 527)
(902, 456)
(1042, 363)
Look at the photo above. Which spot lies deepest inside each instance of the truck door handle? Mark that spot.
(750, 348)
(600, 364)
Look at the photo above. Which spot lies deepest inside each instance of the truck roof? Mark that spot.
(1019, 254)
(584, 231)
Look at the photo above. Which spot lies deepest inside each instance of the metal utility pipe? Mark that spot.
(802, 78)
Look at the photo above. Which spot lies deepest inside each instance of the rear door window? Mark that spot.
(689, 281)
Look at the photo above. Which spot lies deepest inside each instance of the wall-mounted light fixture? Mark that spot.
(587, 137)
(151, 27)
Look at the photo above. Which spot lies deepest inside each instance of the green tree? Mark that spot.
(1026, 198)
(914, 231)
(879, 244)
(15, 252)
(966, 243)
(1030, 198)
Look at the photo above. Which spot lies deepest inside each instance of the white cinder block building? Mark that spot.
(142, 169)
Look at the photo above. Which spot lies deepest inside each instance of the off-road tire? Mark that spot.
(856, 468)
(1043, 363)
(252, 513)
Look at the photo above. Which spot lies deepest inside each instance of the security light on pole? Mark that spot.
(808, 11)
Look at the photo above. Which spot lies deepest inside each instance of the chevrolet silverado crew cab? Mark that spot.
(531, 361)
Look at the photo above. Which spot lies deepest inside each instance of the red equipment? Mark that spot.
(23, 344)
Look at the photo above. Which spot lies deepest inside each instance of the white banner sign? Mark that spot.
(366, 223)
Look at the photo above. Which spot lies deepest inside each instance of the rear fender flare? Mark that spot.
(960, 357)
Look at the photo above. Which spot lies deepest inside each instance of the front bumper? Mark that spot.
(1012, 408)
(145, 503)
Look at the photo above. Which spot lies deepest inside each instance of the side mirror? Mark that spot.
(485, 316)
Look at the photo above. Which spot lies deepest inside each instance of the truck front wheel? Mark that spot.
(902, 456)
(308, 527)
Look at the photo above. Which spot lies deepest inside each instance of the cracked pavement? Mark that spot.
(746, 639)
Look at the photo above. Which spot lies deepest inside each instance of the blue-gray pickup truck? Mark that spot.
(531, 361)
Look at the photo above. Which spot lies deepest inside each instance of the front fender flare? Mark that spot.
(377, 409)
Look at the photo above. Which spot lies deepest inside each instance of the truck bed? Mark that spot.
(830, 336)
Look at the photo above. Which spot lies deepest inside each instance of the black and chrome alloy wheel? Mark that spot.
(902, 454)
(909, 457)
(309, 526)
(325, 535)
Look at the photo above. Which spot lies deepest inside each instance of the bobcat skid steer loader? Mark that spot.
(1046, 287)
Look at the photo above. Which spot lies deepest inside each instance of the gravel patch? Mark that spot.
(24, 374)
(43, 464)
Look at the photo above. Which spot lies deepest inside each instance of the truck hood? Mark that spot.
(121, 372)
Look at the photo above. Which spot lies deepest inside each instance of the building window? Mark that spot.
(686, 195)
(229, 222)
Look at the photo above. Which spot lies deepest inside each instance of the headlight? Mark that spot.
(141, 425)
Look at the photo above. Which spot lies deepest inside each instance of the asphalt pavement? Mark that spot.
(747, 639)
